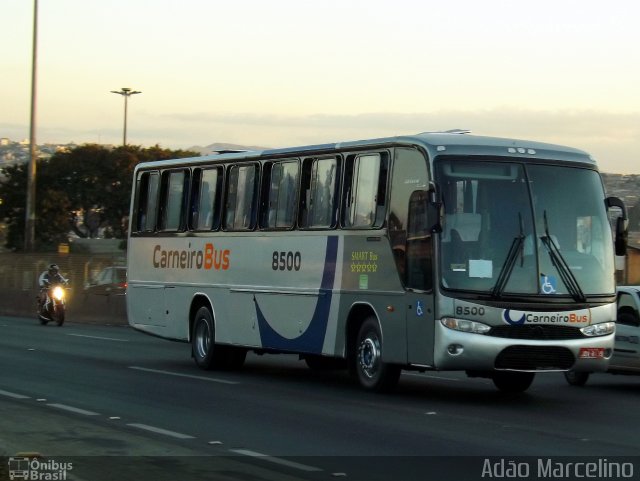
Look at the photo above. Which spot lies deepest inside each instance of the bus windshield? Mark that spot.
(524, 229)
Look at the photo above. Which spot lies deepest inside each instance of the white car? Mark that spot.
(626, 352)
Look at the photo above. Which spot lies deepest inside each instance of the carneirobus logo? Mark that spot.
(38, 469)
(518, 318)
(207, 258)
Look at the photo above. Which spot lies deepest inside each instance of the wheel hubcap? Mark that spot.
(369, 356)
(202, 338)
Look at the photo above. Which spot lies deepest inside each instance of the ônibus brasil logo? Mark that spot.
(207, 258)
(23, 467)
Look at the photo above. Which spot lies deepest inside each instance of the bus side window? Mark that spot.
(280, 195)
(418, 252)
(365, 191)
(318, 193)
(146, 202)
(173, 200)
(409, 174)
(205, 203)
(240, 208)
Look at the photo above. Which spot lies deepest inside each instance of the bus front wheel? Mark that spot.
(372, 373)
(203, 338)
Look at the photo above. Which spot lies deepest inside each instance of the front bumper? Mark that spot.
(456, 350)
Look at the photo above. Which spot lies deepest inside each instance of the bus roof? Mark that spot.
(434, 143)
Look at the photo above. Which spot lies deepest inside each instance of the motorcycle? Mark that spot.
(54, 306)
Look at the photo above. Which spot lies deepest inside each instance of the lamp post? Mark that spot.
(126, 93)
(30, 208)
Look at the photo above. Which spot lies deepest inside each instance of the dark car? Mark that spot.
(626, 352)
(111, 281)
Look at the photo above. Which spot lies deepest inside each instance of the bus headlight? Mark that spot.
(465, 325)
(601, 329)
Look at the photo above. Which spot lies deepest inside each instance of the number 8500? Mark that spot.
(282, 260)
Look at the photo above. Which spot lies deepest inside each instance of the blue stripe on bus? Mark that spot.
(312, 339)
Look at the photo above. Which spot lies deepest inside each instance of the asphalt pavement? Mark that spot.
(110, 396)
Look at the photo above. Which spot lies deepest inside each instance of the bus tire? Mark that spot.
(371, 372)
(575, 378)
(203, 339)
(513, 382)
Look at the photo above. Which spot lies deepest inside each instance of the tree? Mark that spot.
(85, 190)
(13, 190)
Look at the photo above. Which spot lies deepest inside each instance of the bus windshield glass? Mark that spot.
(524, 229)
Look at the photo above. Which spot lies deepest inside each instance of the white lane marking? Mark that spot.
(13, 395)
(72, 409)
(153, 429)
(99, 337)
(272, 459)
(189, 376)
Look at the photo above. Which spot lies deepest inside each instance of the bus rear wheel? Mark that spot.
(513, 382)
(206, 353)
(371, 371)
(203, 339)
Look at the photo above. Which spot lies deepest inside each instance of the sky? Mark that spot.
(282, 73)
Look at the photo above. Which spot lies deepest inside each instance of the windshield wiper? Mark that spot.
(561, 265)
(509, 263)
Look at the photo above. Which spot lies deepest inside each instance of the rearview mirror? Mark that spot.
(434, 209)
(622, 224)
(621, 238)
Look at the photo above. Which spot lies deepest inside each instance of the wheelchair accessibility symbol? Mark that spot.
(419, 309)
(548, 284)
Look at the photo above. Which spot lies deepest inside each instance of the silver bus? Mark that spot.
(437, 251)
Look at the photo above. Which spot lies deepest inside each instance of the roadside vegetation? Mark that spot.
(83, 192)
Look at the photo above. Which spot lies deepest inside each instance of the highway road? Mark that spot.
(115, 399)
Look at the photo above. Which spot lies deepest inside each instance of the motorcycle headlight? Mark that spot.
(601, 329)
(464, 325)
(58, 293)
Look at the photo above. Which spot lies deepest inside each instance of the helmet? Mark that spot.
(53, 269)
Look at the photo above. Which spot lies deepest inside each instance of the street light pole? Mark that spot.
(126, 93)
(30, 208)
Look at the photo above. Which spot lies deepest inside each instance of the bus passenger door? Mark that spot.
(419, 282)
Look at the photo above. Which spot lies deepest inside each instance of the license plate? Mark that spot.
(591, 353)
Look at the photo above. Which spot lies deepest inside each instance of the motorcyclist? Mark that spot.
(47, 278)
